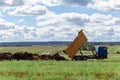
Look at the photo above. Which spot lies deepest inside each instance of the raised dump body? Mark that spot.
(77, 43)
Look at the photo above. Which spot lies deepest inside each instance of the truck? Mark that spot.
(100, 52)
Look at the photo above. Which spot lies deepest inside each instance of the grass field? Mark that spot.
(108, 69)
(33, 49)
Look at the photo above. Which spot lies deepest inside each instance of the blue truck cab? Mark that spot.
(101, 52)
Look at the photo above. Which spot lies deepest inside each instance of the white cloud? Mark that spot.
(76, 2)
(4, 25)
(68, 24)
(43, 2)
(106, 5)
(50, 2)
(0, 14)
(63, 27)
(64, 19)
(12, 3)
(5, 3)
(29, 10)
(107, 20)
(11, 32)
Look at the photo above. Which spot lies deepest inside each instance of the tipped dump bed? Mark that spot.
(77, 43)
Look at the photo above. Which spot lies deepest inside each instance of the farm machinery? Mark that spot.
(100, 52)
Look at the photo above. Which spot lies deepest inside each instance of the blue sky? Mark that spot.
(59, 20)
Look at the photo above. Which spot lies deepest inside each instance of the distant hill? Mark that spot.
(53, 43)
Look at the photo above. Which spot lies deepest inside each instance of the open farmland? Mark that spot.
(108, 69)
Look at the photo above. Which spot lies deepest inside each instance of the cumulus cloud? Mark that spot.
(0, 14)
(4, 25)
(43, 2)
(12, 32)
(107, 20)
(68, 24)
(29, 10)
(64, 19)
(106, 5)
(78, 20)
(77, 2)
(51, 26)
(11, 2)
(23, 7)
(62, 27)
(103, 33)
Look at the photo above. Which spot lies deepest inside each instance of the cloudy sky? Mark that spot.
(59, 20)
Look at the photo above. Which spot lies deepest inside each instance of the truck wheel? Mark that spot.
(85, 58)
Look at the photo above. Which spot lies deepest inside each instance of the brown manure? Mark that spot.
(29, 56)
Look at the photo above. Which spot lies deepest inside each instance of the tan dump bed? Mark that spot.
(77, 43)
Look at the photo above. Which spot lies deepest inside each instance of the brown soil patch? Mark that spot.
(29, 56)
(105, 75)
(1, 74)
(67, 75)
(18, 74)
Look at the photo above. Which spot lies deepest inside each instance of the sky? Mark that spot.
(59, 20)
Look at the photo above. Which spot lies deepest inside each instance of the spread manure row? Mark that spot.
(29, 56)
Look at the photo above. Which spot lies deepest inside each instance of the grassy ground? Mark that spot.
(108, 69)
(33, 49)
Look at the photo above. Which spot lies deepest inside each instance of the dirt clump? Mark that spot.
(5, 56)
(35, 57)
(58, 57)
(46, 57)
(22, 56)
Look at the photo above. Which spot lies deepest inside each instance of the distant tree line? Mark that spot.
(103, 43)
(54, 43)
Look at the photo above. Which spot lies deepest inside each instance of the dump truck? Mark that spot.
(76, 45)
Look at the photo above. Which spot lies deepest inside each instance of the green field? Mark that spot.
(107, 69)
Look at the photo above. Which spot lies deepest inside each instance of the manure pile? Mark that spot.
(29, 56)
